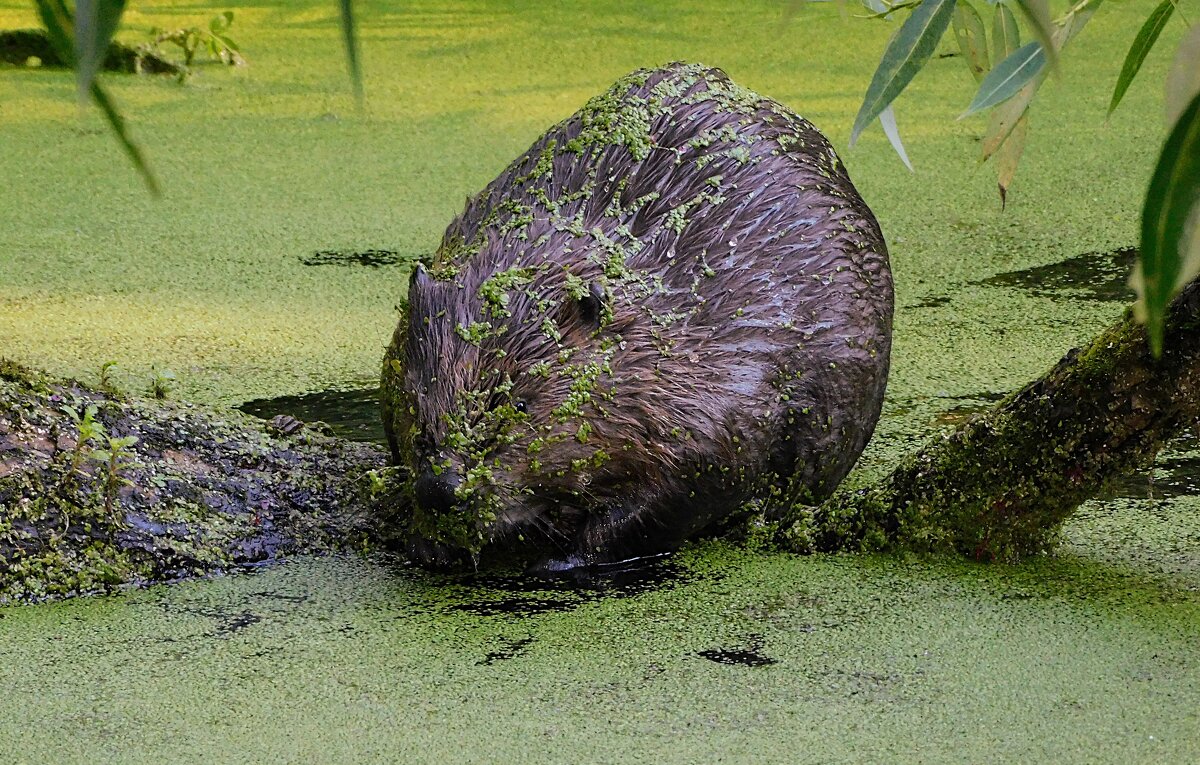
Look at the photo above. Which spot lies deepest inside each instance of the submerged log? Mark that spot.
(1001, 484)
(205, 490)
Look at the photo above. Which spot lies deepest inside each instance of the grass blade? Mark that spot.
(972, 39)
(1173, 194)
(1009, 76)
(117, 123)
(1006, 36)
(95, 23)
(905, 55)
(350, 38)
(887, 118)
(1146, 37)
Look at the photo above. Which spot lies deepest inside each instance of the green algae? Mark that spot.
(878, 659)
(301, 171)
(875, 659)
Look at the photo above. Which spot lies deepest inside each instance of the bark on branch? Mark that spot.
(1002, 483)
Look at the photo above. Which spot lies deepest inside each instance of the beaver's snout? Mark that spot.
(436, 492)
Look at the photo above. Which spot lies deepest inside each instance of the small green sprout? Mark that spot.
(161, 382)
(116, 459)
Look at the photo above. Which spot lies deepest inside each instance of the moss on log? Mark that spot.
(200, 491)
(1002, 483)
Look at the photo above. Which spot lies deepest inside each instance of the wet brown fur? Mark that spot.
(745, 356)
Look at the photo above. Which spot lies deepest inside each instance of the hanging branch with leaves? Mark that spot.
(1009, 79)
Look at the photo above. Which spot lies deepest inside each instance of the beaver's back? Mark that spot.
(748, 279)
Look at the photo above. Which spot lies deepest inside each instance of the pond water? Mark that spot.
(727, 657)
(271, 271)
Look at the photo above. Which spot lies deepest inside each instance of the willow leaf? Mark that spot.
(95, 23)
(60, 28)
(117, 123)
(1005, 117)
(1173, 194)
(1183, 78)
(1009, 156)
(972, 39)
(1037, 13)
(350, 38)
(1006, 36)
(887, 118)
(905, 55)
(1146, 37)
(1009, 76)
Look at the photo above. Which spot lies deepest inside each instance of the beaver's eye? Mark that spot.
(520, 406)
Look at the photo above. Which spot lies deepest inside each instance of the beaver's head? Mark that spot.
(493, 392)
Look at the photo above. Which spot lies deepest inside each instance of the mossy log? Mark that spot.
(200, 491)
(216, 490)
(18, 46)
(1001, 484)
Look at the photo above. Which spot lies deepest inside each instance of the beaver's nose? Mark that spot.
(435, 493)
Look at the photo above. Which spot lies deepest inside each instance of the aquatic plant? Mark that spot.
(106, 377)
(162, 381)
(116, 459)
(191, 40)
(88, 429)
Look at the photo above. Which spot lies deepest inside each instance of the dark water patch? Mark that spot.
(368, 258)
(350, 414)
(749, 656)
(234, 623)
(518, 605)
(1091, 276)
(1176, 473)
(510, 650)
(528, 595)
(933, 301)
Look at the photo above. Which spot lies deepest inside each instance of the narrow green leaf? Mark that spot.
(1009, 76)
(1074, 22)
(1009, 156)
(1037, 13)
(1141, 44)
(1183, 78)
(905, 55)
(1173, 194)
(350, 38)
(887, 119)
(1006, 36)
(117, 123)
(228, 43)
(60, 28)
(972, 38)
(95, 23)
(1006, 116)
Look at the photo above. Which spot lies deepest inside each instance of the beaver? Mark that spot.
(673, 304)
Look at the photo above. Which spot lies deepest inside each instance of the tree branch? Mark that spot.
(1002, 483)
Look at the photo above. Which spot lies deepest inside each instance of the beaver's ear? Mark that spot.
(591, 309)
(419, 278)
